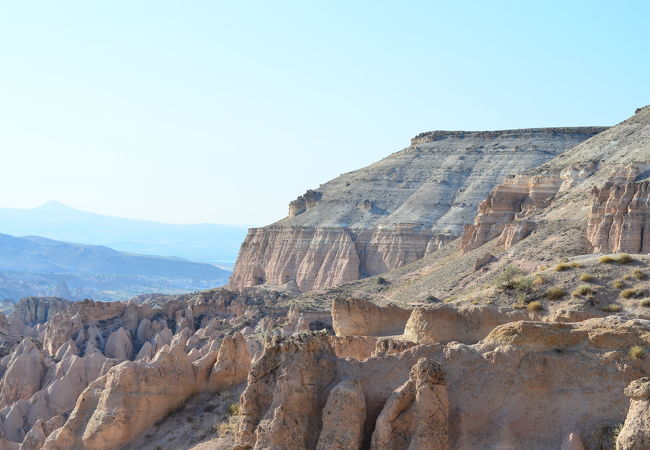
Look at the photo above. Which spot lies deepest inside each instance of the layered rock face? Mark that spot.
(535, 378)
(503, 212)
(619, 217)
(395, 211)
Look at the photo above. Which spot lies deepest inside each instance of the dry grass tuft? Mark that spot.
(586, 277)
(614, 307)
(617, 284)
(582, 291)
(561, 267)
(535, 306)
(636, 352)
(555, 293)
(627, 293)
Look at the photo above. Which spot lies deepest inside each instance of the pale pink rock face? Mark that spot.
(397, 210)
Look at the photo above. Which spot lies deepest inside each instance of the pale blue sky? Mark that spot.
(206, 111)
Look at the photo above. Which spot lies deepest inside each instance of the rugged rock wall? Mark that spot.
(353, 317)
(535, 378)
(635, 434)
(395, 211)
(619, 217)
(498, 214)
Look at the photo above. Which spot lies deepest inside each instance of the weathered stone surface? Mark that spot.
(393, 212)
(515, 198)
(619, 217)
(344, 416)
(363, 318)
(416, 415)
(635, 434)
(443, 323)
(283, 388)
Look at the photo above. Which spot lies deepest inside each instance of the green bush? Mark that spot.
(506, 279)
(382, 280)
(233, 409)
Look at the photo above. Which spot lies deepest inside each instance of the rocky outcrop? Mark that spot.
(275, 398)
(467, 324)
(635, 434)
(535, 378)
(353, 317)
(344, 416)
(415, 416)
(502, 212)
(619, 217)
(393, 212)
(115, 409)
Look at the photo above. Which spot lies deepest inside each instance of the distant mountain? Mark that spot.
(39, 266)
(217, 244)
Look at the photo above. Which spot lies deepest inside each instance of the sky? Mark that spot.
(223, 112)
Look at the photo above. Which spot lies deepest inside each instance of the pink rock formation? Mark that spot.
(635, 434)
(319, 257)
(619, 217)
(516, 198)
(353, 317)
(416, 415)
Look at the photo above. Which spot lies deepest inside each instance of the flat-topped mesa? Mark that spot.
(395, 211)
(430, 136)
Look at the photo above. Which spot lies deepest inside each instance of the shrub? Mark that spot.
(562, 267)
(605, 259)
(624, 258)
(582, 290)
(233, 409)
(617, 284)
(382, 280)
(555, 293)
(224, 428)
(506, 279)
(576, 264)
(539, 280)
(627, 293)
(535, 306)
(645, 302)
(432, 299)
(636, 352)
(523, 284)
(639, 274)
(586, 277)
(614, 307)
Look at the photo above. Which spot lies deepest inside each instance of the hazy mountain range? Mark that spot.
(216, 244)
(75, 254)
(33, 265)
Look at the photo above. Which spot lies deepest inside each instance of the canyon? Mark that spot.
(382, 321)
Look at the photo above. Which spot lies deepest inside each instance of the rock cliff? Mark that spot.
(619, 217)
(397, 210)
